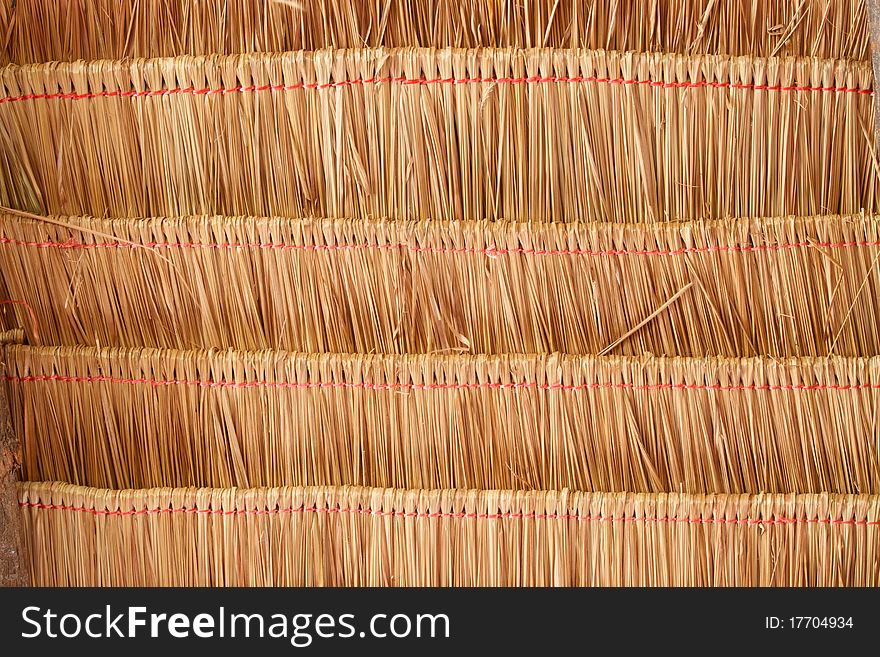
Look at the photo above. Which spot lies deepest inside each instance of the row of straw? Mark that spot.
(570, 317)
(347, 536)
(143, 418)
(778, 287)
(38, 31)
(531, 135)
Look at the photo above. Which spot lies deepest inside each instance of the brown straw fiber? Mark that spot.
(385, 537)
(535, 135)
(141, 418)
(781, 287)
(36, 30)
(12, 336)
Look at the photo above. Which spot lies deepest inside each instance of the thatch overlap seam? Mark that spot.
(403, 387)
(553, 79)
(782, 520)
(402, 246)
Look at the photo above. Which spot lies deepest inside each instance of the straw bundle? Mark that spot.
(440, 134)
(36, 30)
(783, 287)
(379, 537)
(140, 418)
(12, 336)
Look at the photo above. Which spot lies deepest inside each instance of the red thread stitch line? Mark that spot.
(782, 520)
(35, 325)
(429, 81)
(389, 387)
(488, 251)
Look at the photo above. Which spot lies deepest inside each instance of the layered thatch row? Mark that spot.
(440, 134)
(492, 201)
(139, 418)
(35, 30)
(781, 287)
(383, 537)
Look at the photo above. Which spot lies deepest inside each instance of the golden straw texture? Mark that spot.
(140, 418)
(781, 287)
(383, 537)
(534, 135)
(36, 30)
(12, 336)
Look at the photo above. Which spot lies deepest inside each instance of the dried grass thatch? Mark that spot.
(496, 201)
(535, 135)
(36, 30)
(780, 287)
(385, 537)
(141, 418)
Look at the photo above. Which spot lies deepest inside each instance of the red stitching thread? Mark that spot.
(488, 251)
(390, 387)
(477, 516)
(33, 315)
(430, 81)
